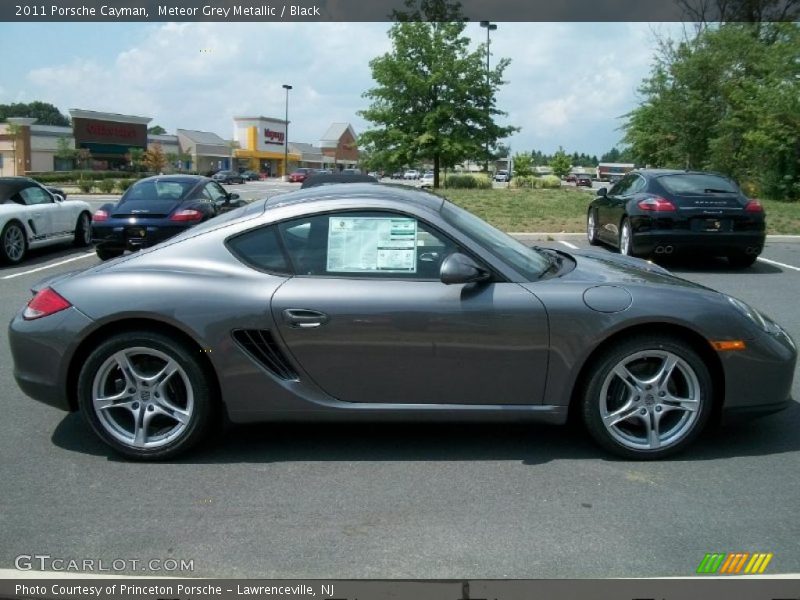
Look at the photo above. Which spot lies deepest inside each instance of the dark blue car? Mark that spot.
(156, 208)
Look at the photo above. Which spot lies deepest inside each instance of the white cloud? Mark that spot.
(568, 82)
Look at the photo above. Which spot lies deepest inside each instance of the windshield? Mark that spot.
(691, 184)
(527, 262)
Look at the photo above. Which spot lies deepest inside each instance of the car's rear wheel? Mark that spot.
(83, 230)
(145, 395)
(591, 227)
(742, 260)
(106, 253)
(13, 244)
(647, 398)
(626, 238)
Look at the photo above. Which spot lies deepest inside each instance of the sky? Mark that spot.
(568, 84)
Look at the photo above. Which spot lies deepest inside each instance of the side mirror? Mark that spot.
(233, 196)
(58, 197)
(459, 268)
(602, 191)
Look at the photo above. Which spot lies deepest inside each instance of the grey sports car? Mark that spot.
(367, 302)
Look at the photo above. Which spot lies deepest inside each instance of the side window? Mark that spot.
(35, 195)
(259, 248)
(639, 183)
(216, 193)
(376, 244)
(622, 188)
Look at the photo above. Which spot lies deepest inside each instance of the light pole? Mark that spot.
(489, 28)
(286, 140)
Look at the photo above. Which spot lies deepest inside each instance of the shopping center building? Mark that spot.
(106, 139)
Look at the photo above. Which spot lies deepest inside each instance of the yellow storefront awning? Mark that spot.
(266, 155)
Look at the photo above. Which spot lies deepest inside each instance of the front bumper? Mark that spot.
(41, 350)
(758, 380)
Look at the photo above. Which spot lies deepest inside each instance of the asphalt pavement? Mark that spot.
(405, 501)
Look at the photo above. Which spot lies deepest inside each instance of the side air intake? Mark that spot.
(261, 346)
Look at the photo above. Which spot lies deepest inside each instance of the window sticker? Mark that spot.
(372, 244)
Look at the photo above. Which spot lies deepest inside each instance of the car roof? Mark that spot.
(11, 185)
(176, 178)
(662, 172)
(347, 192)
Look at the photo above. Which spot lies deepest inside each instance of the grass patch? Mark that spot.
(564, 210)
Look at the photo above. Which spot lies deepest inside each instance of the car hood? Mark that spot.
(601, 267)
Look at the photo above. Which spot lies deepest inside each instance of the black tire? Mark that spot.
(741, 260)
(612, 409)
(626, 247)
(13, 244)
(187, 393)
(83, 230)
(106, 253)
(591, 227)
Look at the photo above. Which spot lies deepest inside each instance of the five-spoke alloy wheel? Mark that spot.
(145, 395)
(647, 398)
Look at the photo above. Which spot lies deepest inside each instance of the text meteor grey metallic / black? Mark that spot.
(369, 302)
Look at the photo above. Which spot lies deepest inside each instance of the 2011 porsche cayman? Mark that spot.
(367, 302)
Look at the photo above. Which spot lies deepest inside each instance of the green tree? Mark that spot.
(44, 113)
(727, 100)
(154, 158)
(156, 130)
(432, 99)
(560, 163)
(523, 164)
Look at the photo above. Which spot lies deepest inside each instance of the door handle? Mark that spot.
(302, 318)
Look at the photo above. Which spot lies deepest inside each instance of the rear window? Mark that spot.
(693, 184)
(168, 191)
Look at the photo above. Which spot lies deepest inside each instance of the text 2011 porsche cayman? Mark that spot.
(366, 302)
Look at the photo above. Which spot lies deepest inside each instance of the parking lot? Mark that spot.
(405, 501)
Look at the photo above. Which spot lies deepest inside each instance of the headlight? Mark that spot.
(751, 313)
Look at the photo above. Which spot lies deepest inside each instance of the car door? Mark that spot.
(42, 215)
(369, 320)
(614, 207)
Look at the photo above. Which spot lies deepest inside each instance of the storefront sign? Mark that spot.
(109, 132)
(274, 137)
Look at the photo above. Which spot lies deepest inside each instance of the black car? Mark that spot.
(251, 175)
(661, 212)
(228, 177)
(156, 208)
(583, 181)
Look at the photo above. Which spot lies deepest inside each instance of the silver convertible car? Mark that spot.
(368, 302)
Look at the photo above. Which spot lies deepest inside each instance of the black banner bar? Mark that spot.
(384, 10)
(252, 589)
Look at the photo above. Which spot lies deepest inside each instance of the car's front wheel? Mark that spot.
(647, 397)
(13, 245)
(591, 227)
(145, 395)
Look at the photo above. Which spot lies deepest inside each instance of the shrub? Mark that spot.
(85, 185)
(468, 182)
(124, 184)
(106, 185)
(523, 181)
(551, 182)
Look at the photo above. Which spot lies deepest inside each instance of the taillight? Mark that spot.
(46, 302)
(187, 214)
(100, 215)
(656, 203)
(754, 206)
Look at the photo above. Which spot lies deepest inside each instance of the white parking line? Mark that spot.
(51, 265)
(568, 245)
(778, 264)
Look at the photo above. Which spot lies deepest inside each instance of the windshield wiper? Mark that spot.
(554, 262)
